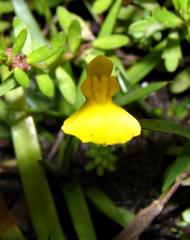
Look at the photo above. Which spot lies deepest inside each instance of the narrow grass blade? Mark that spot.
(36, 188)
(78, 209)
(107, 207)
(181, 163)
(165, 126)
(138, 93)
(142, 68)
(110, 20)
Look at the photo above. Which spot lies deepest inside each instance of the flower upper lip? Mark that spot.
(100, 89)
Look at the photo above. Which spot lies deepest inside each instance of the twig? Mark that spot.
(55, 146)
(144, 218)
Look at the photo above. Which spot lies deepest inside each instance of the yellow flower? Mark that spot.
(100, 120)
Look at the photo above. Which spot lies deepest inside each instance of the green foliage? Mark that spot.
(19, 41)
(44, 52)
(74, 197)
(181, 81)
(74, 33)
(21, 77)
(23, 12)
(167, 18)
(145, 28)
(110, 20)
(66, 84)
(138, 93)
(139, 70)
(166, 126)
(45, 84)
(6, 86)
(110, 42)
(19, 26)
(28, 153)
(181, 163)
(105, 205)
(99, 6)
(64, 17)
(172, 52)
(41, 54)
(101, 158)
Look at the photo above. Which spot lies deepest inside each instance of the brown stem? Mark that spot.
(145, 216)
(55, 146)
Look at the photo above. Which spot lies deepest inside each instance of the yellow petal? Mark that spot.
(100, 66)
(102, 124)
(99, 120)
(100, 89)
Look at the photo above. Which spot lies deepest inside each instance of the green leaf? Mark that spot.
(139, 93)
(172, 52)
(145, 28)
(142, 68)
(127, 12)
(21, 77)
(4, 25)
(19, 41)
(3, 112)
(181, 5)
(18, 27)
(6, 86)
(6, 7)
(186, 216)
(147, 4)
(4, 132)
(42, 7)
(74, 34)
(165, 126)
(86, 32)
(181, 82)
(5, 72)
(23, 12)
(109, 23)
(42, 54)
(34, 181)
(78, 209)
(64, 18)
(166, 17)
(66, 85)
(58, 42)
(100, 6)
(107, 207)
(80, 98)
(110, 42)
(181, 163)
(45, 84)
